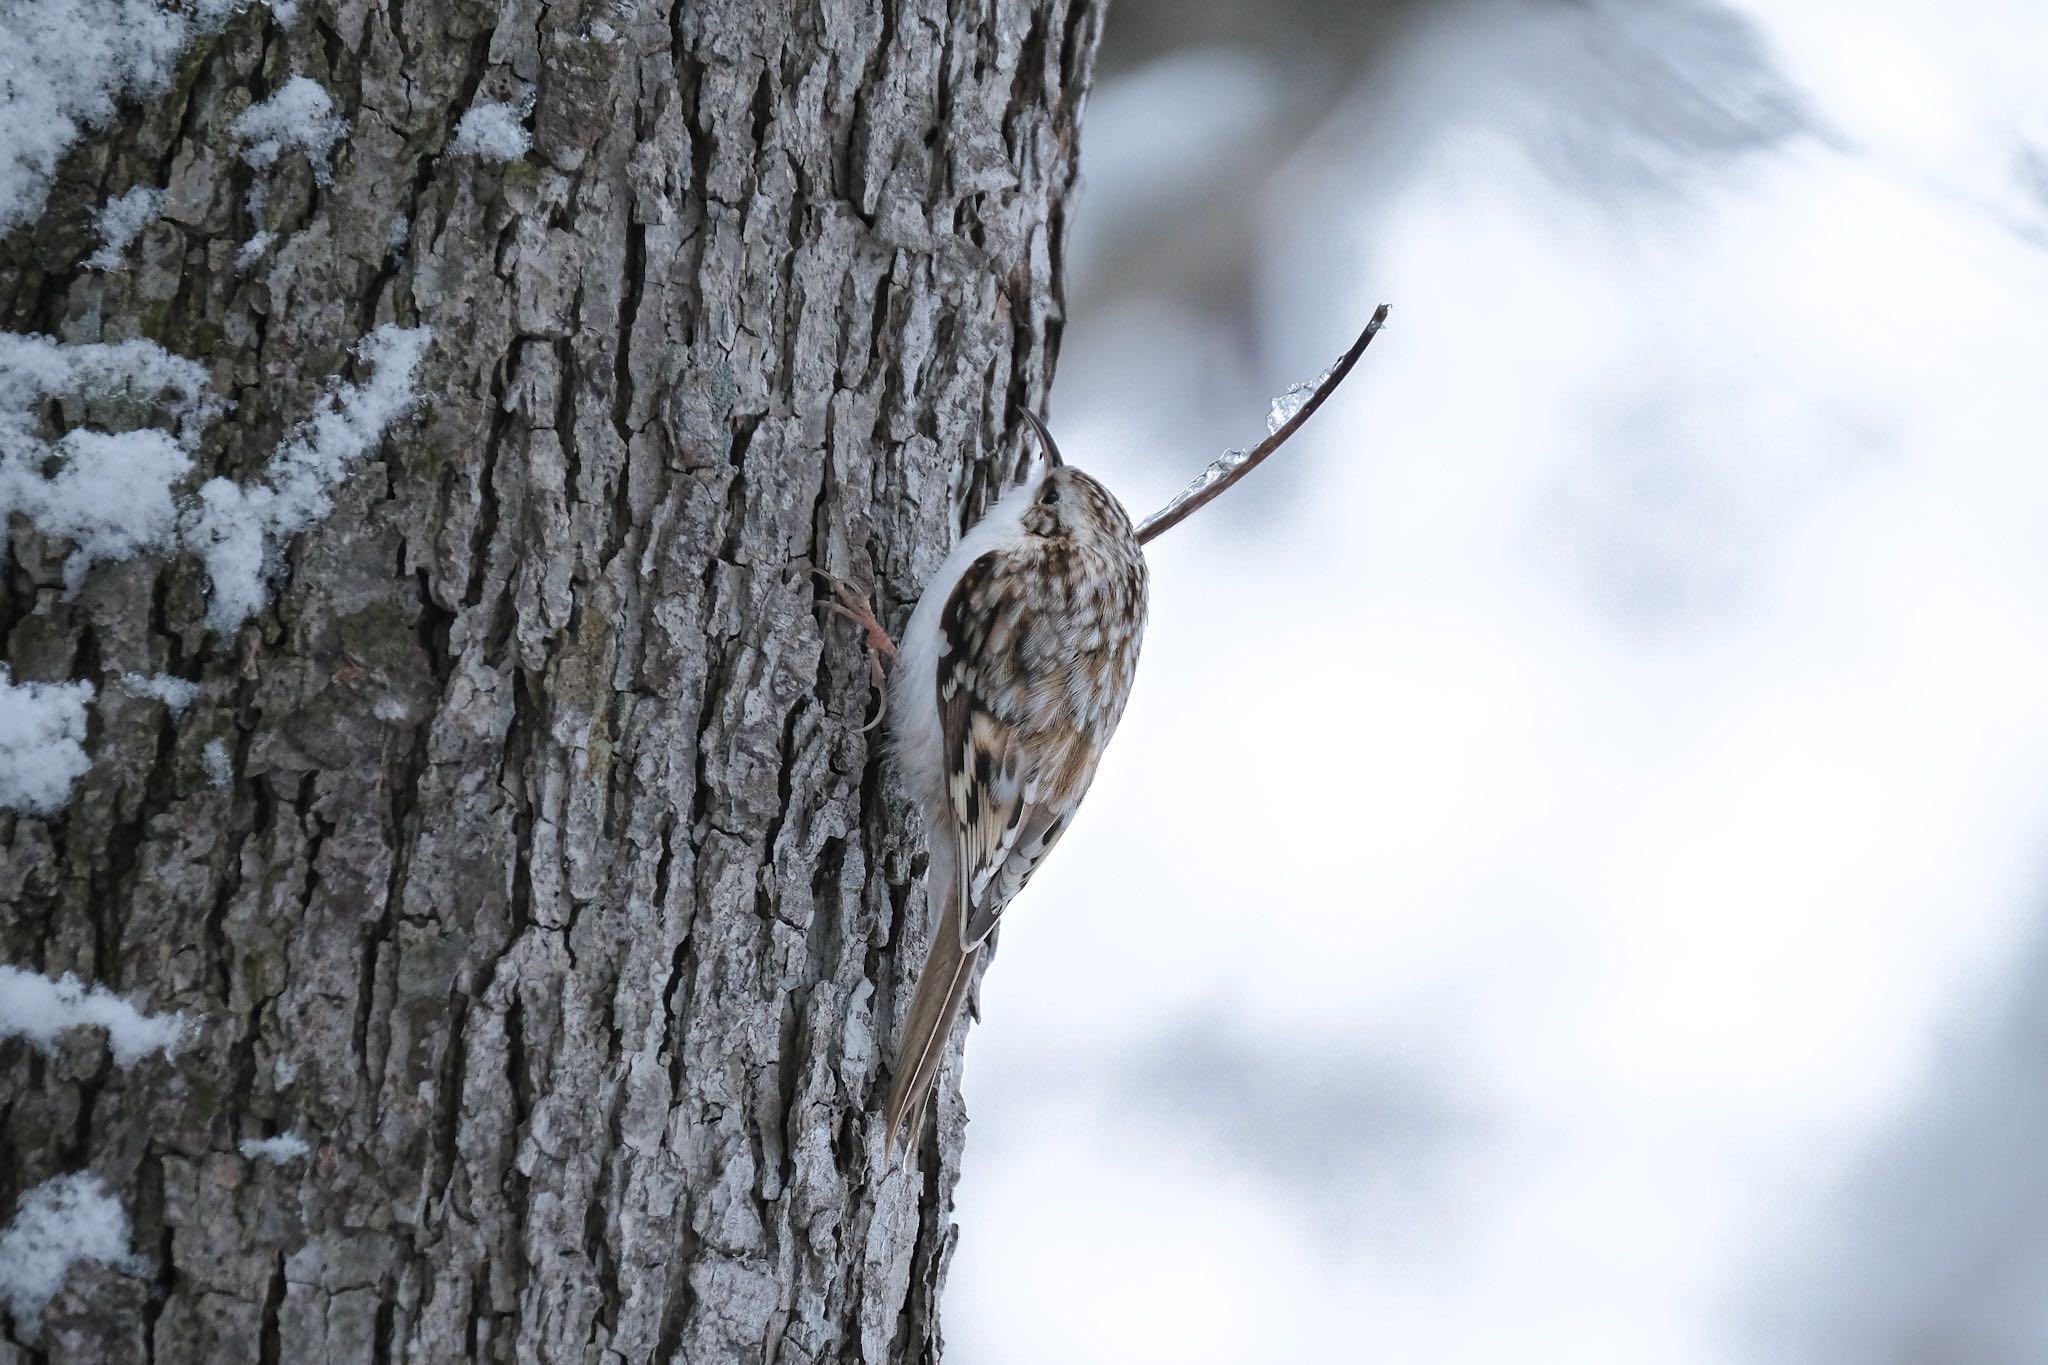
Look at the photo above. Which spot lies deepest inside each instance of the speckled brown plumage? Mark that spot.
(1014, 672)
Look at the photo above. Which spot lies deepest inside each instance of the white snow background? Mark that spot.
(1584, 805)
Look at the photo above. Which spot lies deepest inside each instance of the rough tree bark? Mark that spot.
(557, 897)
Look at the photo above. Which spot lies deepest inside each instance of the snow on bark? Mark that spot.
(42, 742)
(280, 1149)
(238, 528)
(109, 493)
(122, 221)
(63, 64)
(301, 114)
(56, 1225)
(495, 132)
(112, 494)
(175, 693)
(35, 1008)
(33, 368)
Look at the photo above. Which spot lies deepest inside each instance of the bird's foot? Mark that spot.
(854, 605)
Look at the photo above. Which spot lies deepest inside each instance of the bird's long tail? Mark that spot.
(948, 973)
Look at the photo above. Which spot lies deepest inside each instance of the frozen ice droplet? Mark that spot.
(1287, 404)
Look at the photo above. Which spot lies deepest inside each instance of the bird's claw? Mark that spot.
(855, 607)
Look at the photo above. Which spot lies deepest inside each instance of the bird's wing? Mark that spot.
(1008, 805)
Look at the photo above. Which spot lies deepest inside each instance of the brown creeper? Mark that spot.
(1012, 676)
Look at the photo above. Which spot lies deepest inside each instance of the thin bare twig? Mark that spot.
(1233, 465)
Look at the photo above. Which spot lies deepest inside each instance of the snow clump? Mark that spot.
(109, 493)
(63, 64)
(112, 494)
(495, 132)
(57, 1224)
(238, 529)
(175, 693)
(301, 114)
(42, 745)
(34, 1007)
(122, 221)
(280, 1149)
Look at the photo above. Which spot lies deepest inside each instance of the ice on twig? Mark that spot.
(42, 746)
(301, 114)
(122, 221)
(1287, 404)
(1219, 468)
(34, 1007)
(56, 1224)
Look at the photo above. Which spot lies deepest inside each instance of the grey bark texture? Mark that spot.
(557, 897)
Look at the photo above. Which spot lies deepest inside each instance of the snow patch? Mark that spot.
(110, 492)
(220, 768)
(122, 221)
(301, 114)
(63, 64)
(42, 748)
(253, 249)
(111, 497)
(36, 1008)
(495, 132)
(175, 693)
(57, 1224)
(280, 1149)
(237, 528)
(35, 367)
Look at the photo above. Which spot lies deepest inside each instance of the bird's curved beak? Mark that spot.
(1045, 441)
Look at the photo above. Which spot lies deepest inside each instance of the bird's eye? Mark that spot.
(1050, 496)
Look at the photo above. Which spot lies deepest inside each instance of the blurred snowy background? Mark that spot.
(1572, 883)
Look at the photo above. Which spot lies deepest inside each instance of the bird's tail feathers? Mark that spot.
(948, 973)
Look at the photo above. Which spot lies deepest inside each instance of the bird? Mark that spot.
(1009, 680)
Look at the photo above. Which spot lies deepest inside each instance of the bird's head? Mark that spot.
(1066, 503)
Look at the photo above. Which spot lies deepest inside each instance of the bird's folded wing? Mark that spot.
(1003, 816)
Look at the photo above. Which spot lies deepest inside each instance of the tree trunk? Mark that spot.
(525, 854)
